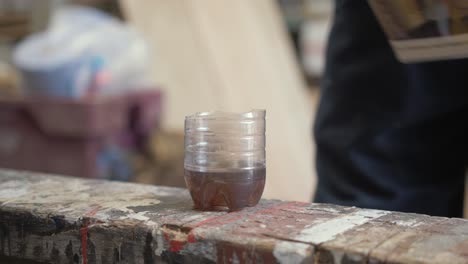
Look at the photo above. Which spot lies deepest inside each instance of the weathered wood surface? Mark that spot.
(66, 220)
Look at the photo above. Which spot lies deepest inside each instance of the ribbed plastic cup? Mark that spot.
(225, 159)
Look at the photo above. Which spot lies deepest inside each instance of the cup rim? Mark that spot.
(252, 114)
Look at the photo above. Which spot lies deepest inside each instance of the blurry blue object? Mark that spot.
(97, 63)
(61, 79)
(113, 164)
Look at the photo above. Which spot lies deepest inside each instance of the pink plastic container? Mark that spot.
(72, 137)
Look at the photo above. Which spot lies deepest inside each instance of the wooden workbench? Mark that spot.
(66, 220)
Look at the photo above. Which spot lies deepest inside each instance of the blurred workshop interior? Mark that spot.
(100, 88)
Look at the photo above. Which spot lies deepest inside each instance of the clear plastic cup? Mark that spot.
(225, 158)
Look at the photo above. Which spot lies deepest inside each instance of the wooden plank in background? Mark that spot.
(233, 56)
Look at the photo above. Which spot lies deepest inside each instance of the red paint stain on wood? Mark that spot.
(191, 238)
(84, 244)
(176, 246)
(84, 233)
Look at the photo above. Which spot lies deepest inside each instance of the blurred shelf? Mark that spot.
(14, 26)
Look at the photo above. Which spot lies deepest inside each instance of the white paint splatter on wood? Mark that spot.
(137, 216)
(328, 230)
(337, 256)
(157, 234)
(407, 223)
(12, 189)
(290, 252)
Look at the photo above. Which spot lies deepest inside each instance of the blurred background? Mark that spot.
(100, 88)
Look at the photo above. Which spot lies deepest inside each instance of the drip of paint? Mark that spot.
(84, 242)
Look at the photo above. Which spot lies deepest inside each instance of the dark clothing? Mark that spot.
(389, 135)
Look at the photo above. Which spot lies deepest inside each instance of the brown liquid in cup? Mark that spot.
(235, 189)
